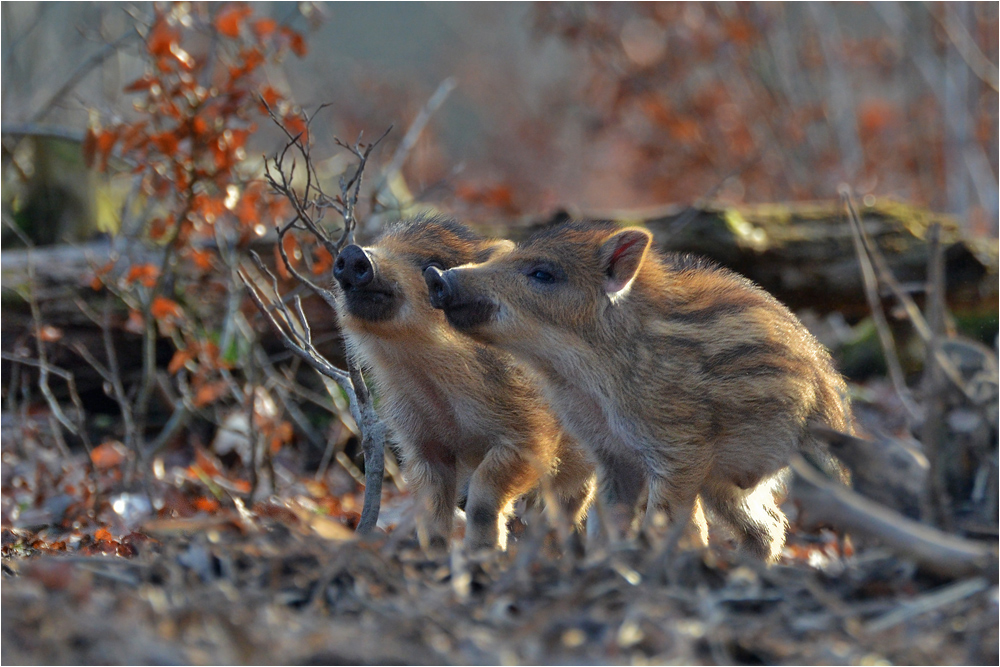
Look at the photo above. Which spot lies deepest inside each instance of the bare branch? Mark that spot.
(878, 315)
(44, 368)
(885, 277)
(966, 46)
(824, 501)
(81, 71)
(295, 331)
(323, 293)
(294, 341)
(351, 188)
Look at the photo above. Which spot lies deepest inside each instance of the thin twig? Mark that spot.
(878, 315)
(932, 431)
(824, 501)
(81, 71)
(946, 595)
(44, 368)
(293, 328)
(885, 276)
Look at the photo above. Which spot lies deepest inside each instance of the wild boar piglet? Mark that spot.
(473, 427)
(684, 380)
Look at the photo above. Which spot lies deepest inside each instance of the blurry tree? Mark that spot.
(779, 102)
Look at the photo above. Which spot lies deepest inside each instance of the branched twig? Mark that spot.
(350, 188)
(966, 46)
(77, 429)
(885, 277)
(297, 337)
(293, 328)
(44, 368)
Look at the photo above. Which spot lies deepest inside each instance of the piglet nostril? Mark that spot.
(437, 287)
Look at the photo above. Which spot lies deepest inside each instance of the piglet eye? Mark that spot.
(541, 276)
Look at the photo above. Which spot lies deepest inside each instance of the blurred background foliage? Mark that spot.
(590, 107)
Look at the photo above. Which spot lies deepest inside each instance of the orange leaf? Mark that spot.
(89, 147)
(163, 307)
(295, 125)
(210, 393)
(105, 142)
(205, 462)
(264, 27)
(323, 261)
(685, 130)
(145, 82)
(200, 125)
(271, 96)
(143, 273)
(166, 142)
(133, 137)
(206, 504)
(296, 41)
(290, 245)
(202, 259)
(229, 19)
(281, 436)
(875, 116)
(108, 454)
(180, 358)
(103, 535)
(252, 59)
(158, 227)
(160, 38)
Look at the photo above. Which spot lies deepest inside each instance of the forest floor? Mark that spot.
(286, 581)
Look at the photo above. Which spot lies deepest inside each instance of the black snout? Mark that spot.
(353, 268)
(464, 311)
(438, 286)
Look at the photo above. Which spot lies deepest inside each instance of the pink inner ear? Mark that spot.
(621, 250)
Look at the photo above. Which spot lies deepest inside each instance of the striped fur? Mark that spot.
(468, 419)
(687, 382)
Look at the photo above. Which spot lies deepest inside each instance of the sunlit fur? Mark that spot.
(464, 415)
(690, 383)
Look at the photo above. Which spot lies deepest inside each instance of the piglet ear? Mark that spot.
(622, 255)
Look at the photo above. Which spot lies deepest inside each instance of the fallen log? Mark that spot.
(823, 501)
